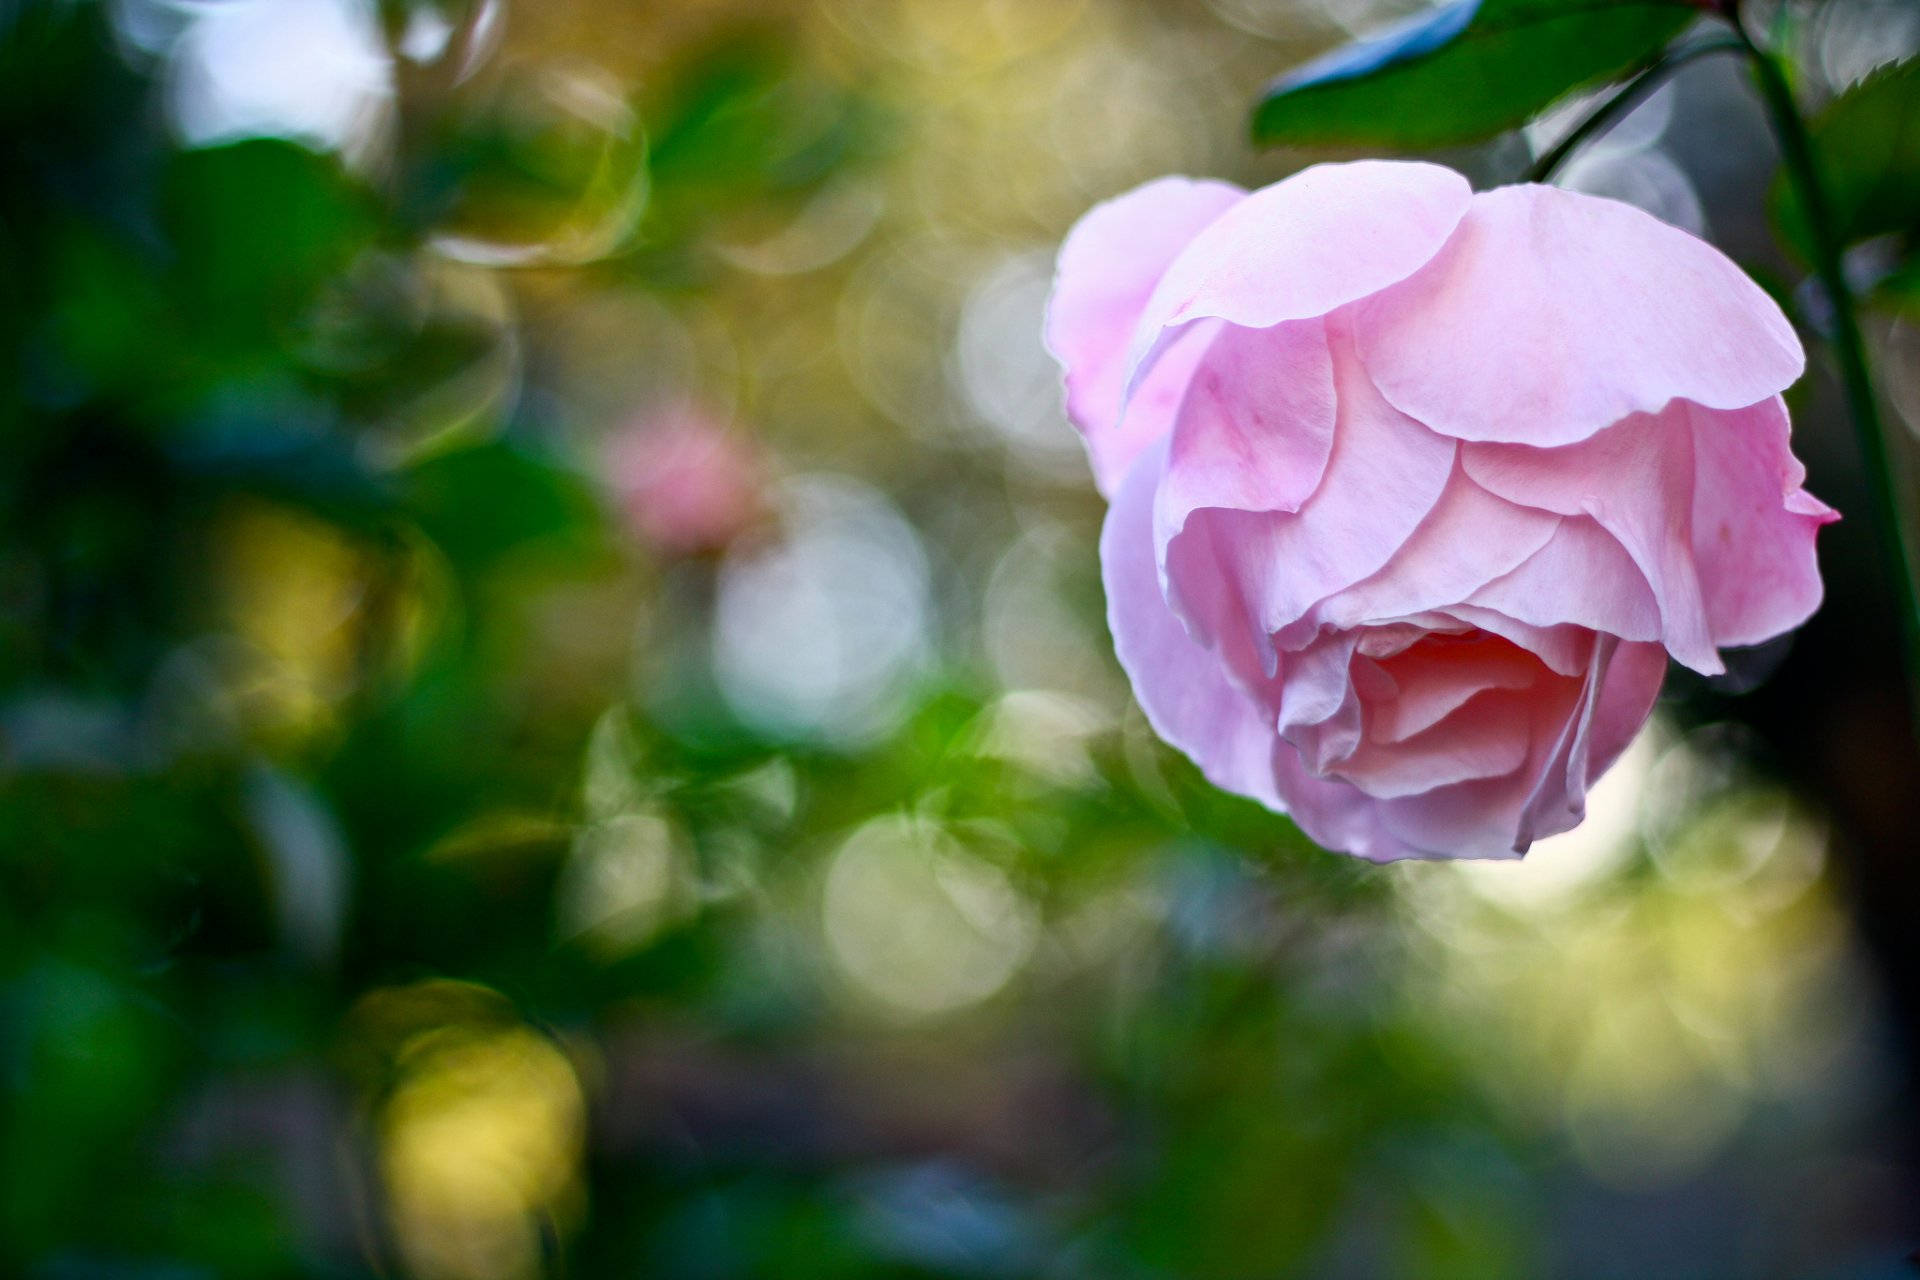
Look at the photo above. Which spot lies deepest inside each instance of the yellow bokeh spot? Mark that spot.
(315, 613)
(290, 587)
(1708, 962)
(481, 1130)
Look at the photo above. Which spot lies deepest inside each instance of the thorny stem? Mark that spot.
(1849, 349)
(1630, 96)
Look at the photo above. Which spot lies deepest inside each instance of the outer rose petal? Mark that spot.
(1255, 428)
(1317, 684)
(1612, 711)
(1753, 525)
(1582, 575)
(1636, 480)
(1469, 539)
(1326, 236)
(1336, 815)
(1181, 686)
(1626, 700)
(1551, 314)
(1320, 711)
(1108, 267)
(1386, 473)
(1558, 800)
(1212, 605)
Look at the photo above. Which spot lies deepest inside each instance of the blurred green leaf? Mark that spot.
(93, 1056)
(1462, 72)
(1867, 142)
(258, 228)
(479, 504)
(737, 134)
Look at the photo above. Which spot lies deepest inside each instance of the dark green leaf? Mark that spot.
(1463, 72)
(257, 227)
(481, 503)
(1867, 142)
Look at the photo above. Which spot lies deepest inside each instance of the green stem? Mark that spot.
(1849, 350)
(1631, 95)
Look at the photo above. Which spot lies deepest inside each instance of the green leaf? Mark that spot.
(1867, 144)
(482, 503)
(256, 229)
(1463, 72)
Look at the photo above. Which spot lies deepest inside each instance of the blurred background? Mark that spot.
(556, 716)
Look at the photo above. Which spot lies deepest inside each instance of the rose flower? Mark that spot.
(685, 483)
(1414, 491)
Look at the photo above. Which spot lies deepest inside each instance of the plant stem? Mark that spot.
(1849, 350)
(1629, 96)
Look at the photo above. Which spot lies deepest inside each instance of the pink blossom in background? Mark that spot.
(686, 483)
(1414, 491)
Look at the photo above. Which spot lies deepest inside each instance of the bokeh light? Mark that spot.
(820, 633)
(481, 1128)
(1711, 963)
(313, 70)
(918, 923)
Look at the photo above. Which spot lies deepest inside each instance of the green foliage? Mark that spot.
(1867, 144)
(734, 135)
(256, 228)
(1463, 72)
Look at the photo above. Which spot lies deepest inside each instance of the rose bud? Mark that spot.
(686, 484)
(1414, 491)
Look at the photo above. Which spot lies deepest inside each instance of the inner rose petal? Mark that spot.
(1398, 711)
(1483, 738)
(1436, 676)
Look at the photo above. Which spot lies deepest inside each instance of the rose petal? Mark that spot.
(1633, 682)
(1563, 647)
(1317, 684)
(1108, 267)
(1482, 818)
(1753, 525)
(1551, 314)
(1433, 680)
(1181, 687)
(1320, 711)
(1211, 603)
(1583, 576)
(1478, 740)
(1334, 814)
(1256, 426)
(1326, 236)
(1467, 540)
(1614, 708)
(1385, 474)
(1636, 480)
(1558, 800)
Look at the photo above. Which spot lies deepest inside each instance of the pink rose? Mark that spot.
(686, 484)
(1414, 490)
